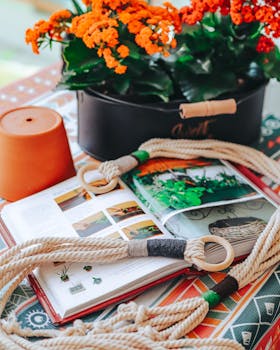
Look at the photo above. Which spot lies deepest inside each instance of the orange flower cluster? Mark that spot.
(57, 24)
(263, 11)
(195, 12)
(266, 12)
(153, 28)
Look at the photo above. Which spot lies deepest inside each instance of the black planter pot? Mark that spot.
(109, 128)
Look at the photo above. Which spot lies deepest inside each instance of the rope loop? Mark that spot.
(139, 327)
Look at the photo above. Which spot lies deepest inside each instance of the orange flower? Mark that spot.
(123, 51)
(110, 60)
(265, 45)
(121, 69)
(247, 14)
(135, 26)
(264, 14)
(32, 36)
(236, 18)
(57, 24)
(87, 2)
(60, 16)
(110, 36)
(125, 17)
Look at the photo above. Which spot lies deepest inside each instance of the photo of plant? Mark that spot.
(142, 230)
(63, 274)
(165, 185)
(72, 198)
(124, 211)
(232, 221)
(91, 224)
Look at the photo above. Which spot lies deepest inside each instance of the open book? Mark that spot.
(163, 198)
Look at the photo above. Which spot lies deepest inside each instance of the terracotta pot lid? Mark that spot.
(29, 121)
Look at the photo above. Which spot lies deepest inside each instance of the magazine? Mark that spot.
(163, 198)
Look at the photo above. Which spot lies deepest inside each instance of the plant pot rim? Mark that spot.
(165, 107)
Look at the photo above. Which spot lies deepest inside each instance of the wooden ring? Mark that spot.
(220, 266)
(95, 189)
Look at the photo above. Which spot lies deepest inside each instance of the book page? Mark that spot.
(239, 223)
(75, 287)
(69, 210)
(170, 186)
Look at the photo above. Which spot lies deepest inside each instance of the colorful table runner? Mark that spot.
(251, 316)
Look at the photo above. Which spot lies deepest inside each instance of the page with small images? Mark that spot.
(170, 186)
(68, 210)
(199, 197)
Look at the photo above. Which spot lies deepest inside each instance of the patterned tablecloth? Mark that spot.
(251, 315)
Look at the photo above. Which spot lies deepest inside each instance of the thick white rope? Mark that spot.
(190, 149)
(138, 327)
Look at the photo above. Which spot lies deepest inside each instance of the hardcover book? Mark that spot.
(163, 198)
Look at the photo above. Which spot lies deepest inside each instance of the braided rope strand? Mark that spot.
(137, 327)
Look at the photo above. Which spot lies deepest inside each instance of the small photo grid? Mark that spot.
(142, 230)
(72, 198)
(91, 224)
(123, 211)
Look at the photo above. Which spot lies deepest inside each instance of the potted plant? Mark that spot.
(134, 63)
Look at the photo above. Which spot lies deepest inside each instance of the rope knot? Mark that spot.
(128, 307)
(141, 314)
(101, 328)
(11, 325)
(194, 249)
(109, 170)
(79, 328)
(150, 333)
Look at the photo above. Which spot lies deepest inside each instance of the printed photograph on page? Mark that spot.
(168, 186)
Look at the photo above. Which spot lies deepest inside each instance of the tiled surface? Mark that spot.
(29, 89)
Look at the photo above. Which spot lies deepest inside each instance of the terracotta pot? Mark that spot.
(34, 151)
(109, 127)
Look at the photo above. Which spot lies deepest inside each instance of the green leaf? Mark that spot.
(185, 58)
(201, 66)
(154, 82)
(209, 20)
(121, 84)
(136, 67)
(204, 87)
(80, 58)
(74, 81)
(152, 92)
(134, 50)
(198, 43)
(271, 64)
(157, 79)
(77, 7)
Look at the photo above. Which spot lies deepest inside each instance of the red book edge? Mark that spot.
(257, 181)
(58, 320)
